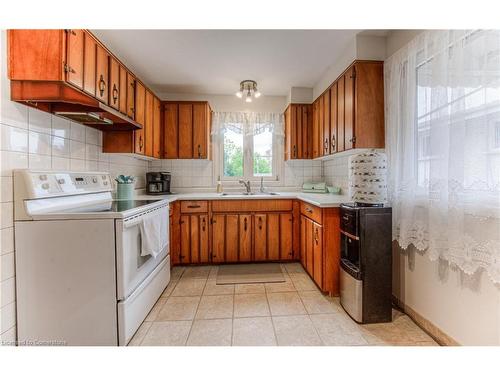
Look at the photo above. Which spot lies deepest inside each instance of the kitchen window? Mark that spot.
(248, 145)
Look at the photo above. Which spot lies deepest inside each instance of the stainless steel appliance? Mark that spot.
(366, 262)
(158, 183)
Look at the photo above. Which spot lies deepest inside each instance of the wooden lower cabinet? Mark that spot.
(320, 249)
(194, 233)
(260, 238)
(245, 237)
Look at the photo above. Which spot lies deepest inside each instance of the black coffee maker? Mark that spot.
(158, 183)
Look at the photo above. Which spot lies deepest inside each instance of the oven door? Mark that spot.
(132, 268)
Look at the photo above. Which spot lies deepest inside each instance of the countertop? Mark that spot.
(319, 200)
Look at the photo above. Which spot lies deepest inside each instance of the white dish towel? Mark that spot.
(154, 233)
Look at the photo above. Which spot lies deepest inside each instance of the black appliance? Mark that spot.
(158, 183)
(366, 262)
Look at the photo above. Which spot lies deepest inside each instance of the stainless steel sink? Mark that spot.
(248, 194)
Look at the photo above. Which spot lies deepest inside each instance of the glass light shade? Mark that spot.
(239, 94)
(256, 93)
(248, 99)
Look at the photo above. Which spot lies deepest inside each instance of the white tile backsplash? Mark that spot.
(39, 143)
(13, 139)
(39, 121)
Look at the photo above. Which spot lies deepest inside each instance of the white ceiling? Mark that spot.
(215, 61)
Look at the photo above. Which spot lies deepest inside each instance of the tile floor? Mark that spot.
(193, 310)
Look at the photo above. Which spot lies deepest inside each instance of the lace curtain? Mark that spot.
(443, 146)
(247, 123)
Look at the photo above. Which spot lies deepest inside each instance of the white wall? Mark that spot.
(467, 308)
(33, 139)
(231, 103)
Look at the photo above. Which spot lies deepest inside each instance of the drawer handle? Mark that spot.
(194, 206)
(260, 222)
(309, 210)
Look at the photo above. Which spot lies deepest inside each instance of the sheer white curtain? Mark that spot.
(247, 123)
(443, 145)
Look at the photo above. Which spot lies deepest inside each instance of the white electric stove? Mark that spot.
(80, 276)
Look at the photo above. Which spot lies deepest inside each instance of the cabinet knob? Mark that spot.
(199, 151)
(115, 94)
(245, 224)
(102, 85)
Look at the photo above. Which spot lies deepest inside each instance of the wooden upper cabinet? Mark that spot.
(201, 131)
(171, 131)
(316, 139)
(326, 123)
(114, 83)
(140, 116)
(157, 128)
(89, 64)
(349, 139)
(123, 90)
(185, 123)
(297, 131)
(148, 124)
(321, 124)
(340, 113)
(74, 57)
(130, 95)
(102, 74)
(333, 118)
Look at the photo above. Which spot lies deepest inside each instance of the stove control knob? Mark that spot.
(45, 186)
(61, 181)
(43, 177)
(94, 180)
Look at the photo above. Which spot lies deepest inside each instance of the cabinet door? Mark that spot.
(288, 140)
(333, 118)
(321, 124)
(170, 136)
(317, 254)
(218, 238)
(200, 130)
(306, 132)
(148, 119)
(130, 96)
(89, 64)
(140, 113)
(204, 239)
(293, 132)
(326, 123)
(102, 76)
(315, 130)
(123, 90)
(286, 233)
(114, 83)
(194, 238)
(185, 239)
(185, 131)
(232, 240)
(349, 139)
(340, 113)
(273, 240)
(175, 243)
(245, 234)
(74, 57)
(260, 237)
(309, 246)
(156, 128)
(303, 240)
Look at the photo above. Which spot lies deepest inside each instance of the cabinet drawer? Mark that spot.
(252, 205)
(194, 206)
(311, 211)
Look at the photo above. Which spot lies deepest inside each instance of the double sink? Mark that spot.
(251, 193)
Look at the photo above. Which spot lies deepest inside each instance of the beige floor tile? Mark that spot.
(294, 268)
(286, 286)
(257, 331)
(212, 289)
(295, 330)
(386, 333)
(317, 303)
(247, 305)
(249, 288)
(178, 308)
(176, 272)
(215, 307)
(167, 333)
(214, 332)
(140, 334)
(213, 273)
(189, 287)
(196, 272)
(287, 303)
(153, 314)
(169, 289)
(330, 328)
(303, 282)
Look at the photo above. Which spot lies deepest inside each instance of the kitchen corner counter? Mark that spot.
(319, 200)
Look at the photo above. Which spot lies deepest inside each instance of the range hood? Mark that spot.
(63, 100)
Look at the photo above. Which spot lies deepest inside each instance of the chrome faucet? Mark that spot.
(262, 190)
(246, 184)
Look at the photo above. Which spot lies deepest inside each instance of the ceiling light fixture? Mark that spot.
(250, 87)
